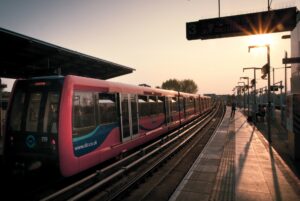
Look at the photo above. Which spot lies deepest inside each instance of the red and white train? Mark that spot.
(76, 123)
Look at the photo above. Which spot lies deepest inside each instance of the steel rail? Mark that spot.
(101, 172)
(142, 159)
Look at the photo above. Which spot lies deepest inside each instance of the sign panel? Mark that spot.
(240, 25)
(293, 60)
(274, 88)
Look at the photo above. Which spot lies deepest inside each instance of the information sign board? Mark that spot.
(240, 25)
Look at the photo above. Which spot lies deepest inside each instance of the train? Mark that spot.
(74, 123)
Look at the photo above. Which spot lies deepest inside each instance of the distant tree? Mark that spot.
(171, 84)
(187, 85)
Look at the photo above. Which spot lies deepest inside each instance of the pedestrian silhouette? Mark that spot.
(233, 108)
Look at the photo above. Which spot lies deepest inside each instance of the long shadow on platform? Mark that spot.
(243, 157)
(275, 175)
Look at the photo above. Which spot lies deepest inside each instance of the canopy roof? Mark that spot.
(23, 57)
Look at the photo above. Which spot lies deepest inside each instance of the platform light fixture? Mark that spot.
(244, 85)
(269, 83)
(247, 78)
(253, 82)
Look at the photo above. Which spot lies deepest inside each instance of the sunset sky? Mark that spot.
(149, 36)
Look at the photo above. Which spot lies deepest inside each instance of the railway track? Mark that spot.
(166, 178)
(133, 177)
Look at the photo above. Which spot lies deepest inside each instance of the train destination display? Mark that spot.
(240, 25)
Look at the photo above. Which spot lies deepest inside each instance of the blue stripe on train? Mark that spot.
(90, 141)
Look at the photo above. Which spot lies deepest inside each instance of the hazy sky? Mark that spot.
(149, 36)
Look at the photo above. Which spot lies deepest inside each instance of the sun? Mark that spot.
(261, 39)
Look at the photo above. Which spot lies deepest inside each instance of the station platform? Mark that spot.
(238, 164)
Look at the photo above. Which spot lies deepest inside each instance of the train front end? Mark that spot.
(31, 139)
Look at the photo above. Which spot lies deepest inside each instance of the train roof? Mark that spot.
(23, 57)
(127, 88)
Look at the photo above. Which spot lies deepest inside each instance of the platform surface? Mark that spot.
(238, 164)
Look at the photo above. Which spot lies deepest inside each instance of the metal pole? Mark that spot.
(254, 113)
(219, 8)
(273, 76)
(244, 99)
(285, 76)
(254, 68)
(269, 83)
(248, 102)
(269, 96)
(1, 133)
(244, 94)
(273, 95)
(285, 90)
(248, 97)
(281, 103)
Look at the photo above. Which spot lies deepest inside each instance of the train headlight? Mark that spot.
(53, 144)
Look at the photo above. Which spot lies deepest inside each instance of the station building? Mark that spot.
(293, 99)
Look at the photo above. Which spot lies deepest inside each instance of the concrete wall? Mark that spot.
(293, 103)
(295, 52)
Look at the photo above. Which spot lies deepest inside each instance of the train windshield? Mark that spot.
(34, 107)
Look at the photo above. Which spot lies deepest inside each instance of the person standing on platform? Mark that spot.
(233, 108)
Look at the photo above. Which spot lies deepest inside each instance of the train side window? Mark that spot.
(174, 106)
(107, 108)
(33, 110)
(152, 105)
(51, 113)
(189, 104)
(84, 120)
(160, 104)
(134, 113)
(17, 111)
(143, 106)
(181, 103)
(197, 104)
(125, 116)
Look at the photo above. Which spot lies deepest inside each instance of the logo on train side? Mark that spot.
(30, 141)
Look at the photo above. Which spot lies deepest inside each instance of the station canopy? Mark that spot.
(24, 57)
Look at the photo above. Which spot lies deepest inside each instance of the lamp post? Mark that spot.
(269, 83)
(254, 94)
(219, 6)
(248, 91)
(285, 65)
(285, 75)
(244, 94)
(285, 80)
(274, 94)
(238, 93)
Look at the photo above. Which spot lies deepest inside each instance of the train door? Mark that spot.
(129, 116)
(183, 106)
(201, 105)
(134, 114)
(168, 109)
